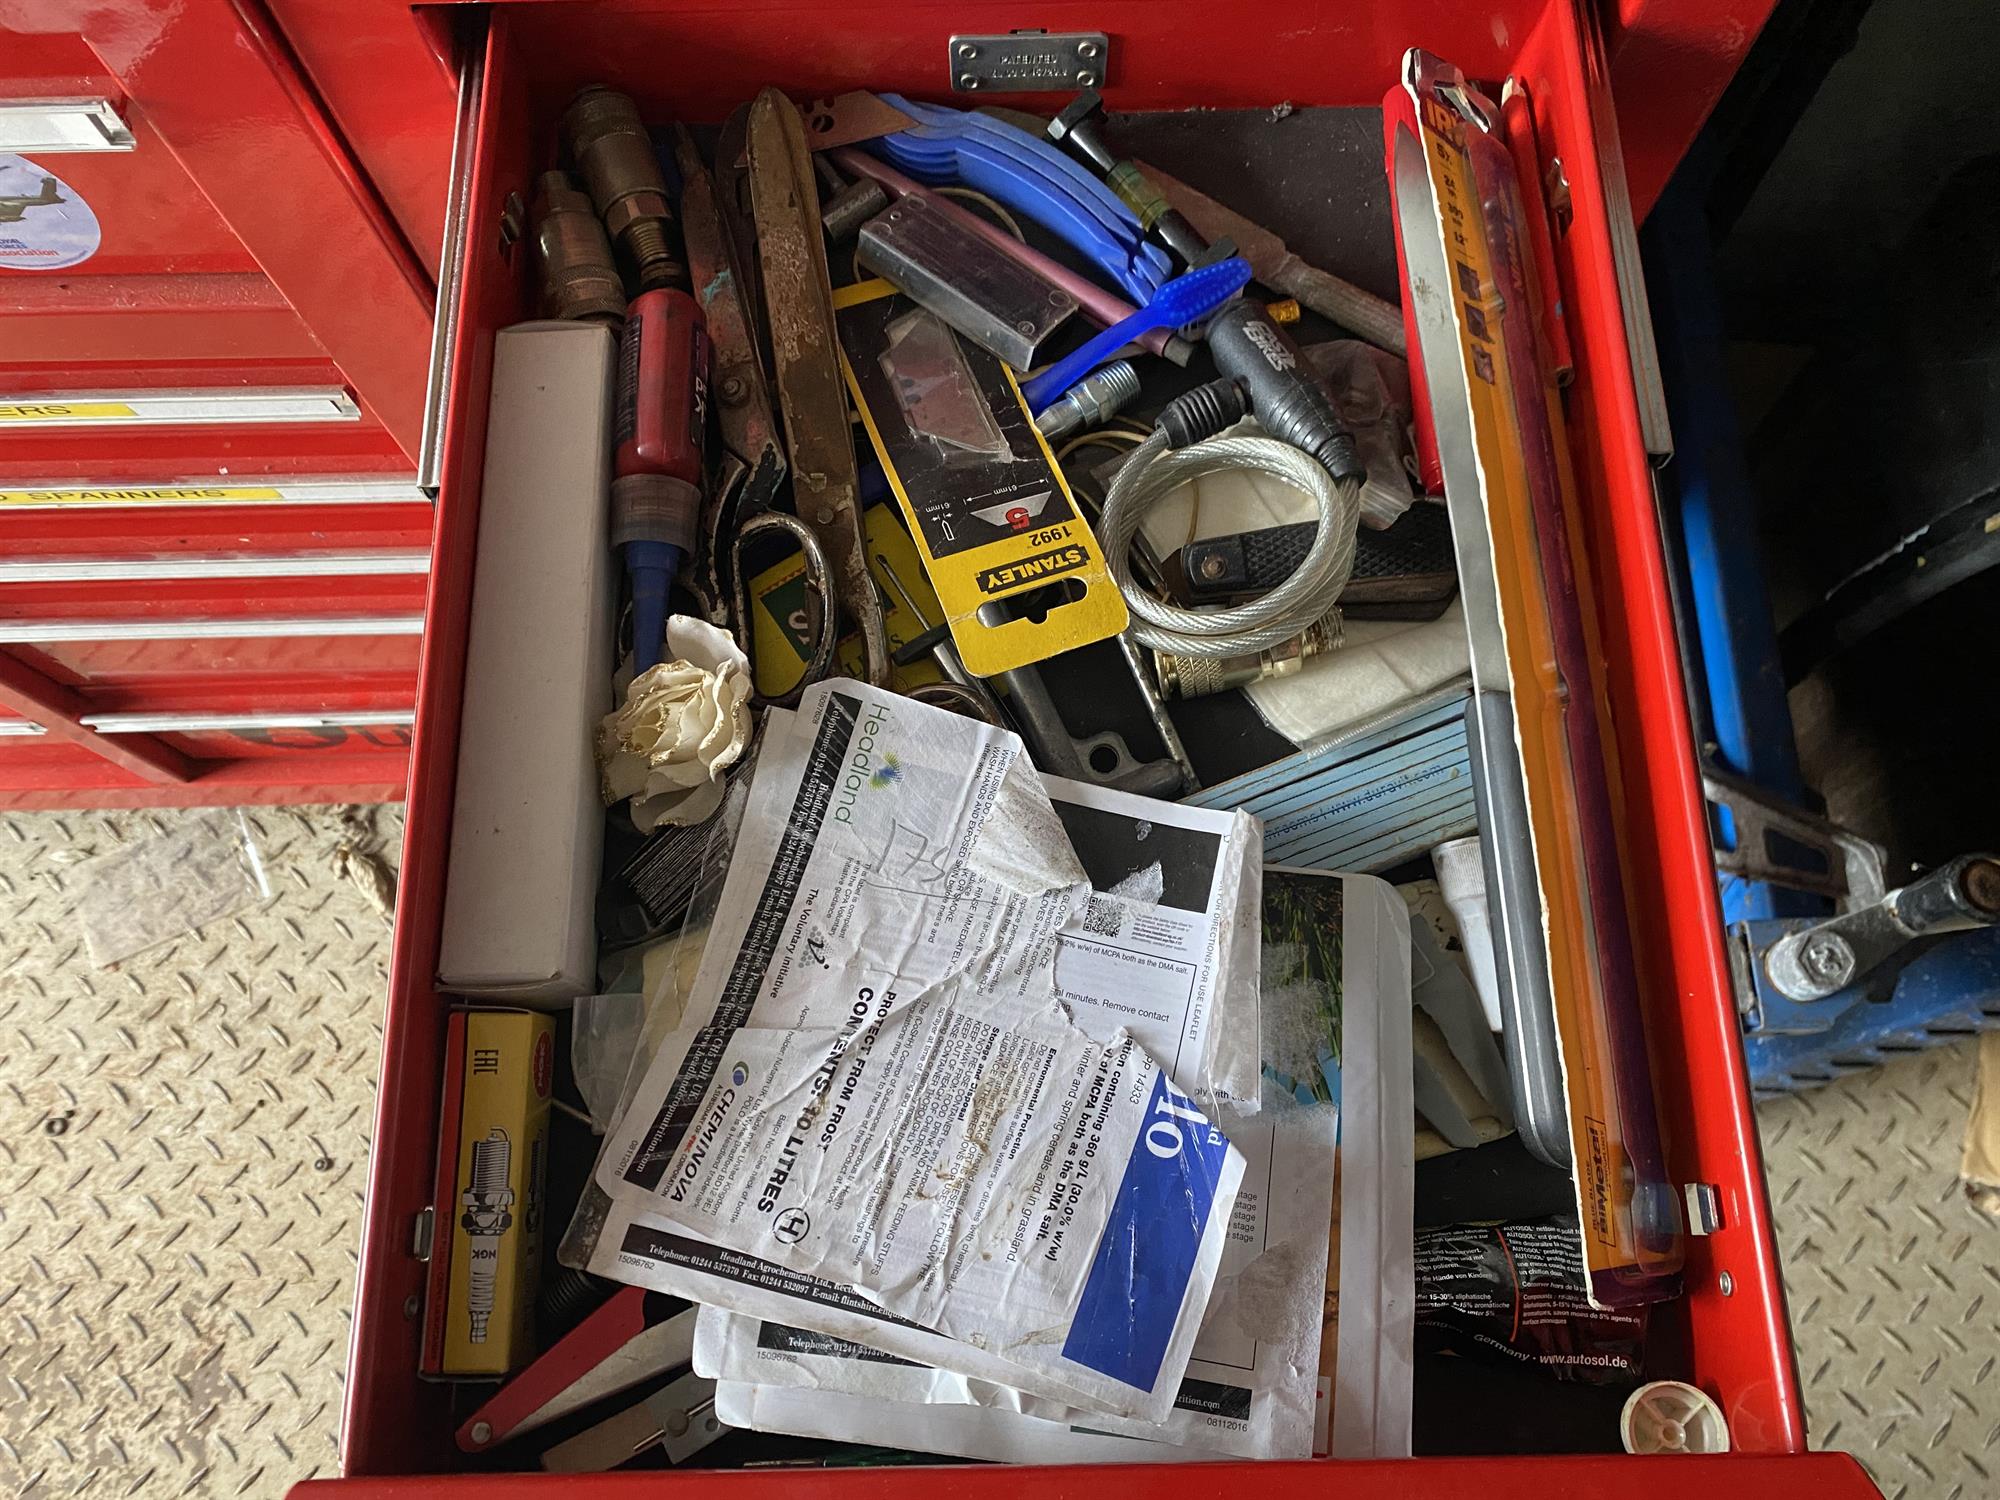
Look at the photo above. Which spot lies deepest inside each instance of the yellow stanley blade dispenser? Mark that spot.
(1017, 571)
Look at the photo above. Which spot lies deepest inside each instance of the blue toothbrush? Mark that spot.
(1185, 299)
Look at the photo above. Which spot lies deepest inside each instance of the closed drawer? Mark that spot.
(224, 248)
(159, 648)
(694, 63)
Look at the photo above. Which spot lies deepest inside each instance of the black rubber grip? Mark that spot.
(1202, 412)
(1417, 547)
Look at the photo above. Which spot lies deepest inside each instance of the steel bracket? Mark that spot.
(1853, 873)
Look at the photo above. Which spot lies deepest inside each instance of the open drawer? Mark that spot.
(688, 60)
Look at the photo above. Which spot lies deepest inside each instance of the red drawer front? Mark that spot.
(49, 532)
(49, 773)
(239, 246)
(1171, 52)
(232, 675)
(209, 654)
(348, 601)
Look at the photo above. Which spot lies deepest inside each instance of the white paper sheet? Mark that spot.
(1338, 962)
(1251, 1391)
(878, 1089)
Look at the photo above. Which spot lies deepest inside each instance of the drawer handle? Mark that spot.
(181, 408)
(37, 632)
(189, 723)
(215, 565)
(46, 127)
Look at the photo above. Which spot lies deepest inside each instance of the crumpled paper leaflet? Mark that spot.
(682, 724)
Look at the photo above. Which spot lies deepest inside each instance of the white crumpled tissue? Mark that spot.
(683, 723)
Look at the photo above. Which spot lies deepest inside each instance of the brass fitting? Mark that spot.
(579, 280)
(615, 156)
(1198, 676)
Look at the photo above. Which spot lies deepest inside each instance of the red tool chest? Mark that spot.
(215, 327)
(685, 59)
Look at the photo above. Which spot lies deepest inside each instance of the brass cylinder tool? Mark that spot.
(615, 156)
(1199, 676)
(798, 295)
(579, 279)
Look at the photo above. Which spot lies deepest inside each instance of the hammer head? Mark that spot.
(1086, 105)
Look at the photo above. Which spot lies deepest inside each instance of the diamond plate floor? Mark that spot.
(183, 1143)
(1893, 1279)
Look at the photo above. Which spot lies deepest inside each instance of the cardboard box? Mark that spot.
(527, 823)
(491, 1202)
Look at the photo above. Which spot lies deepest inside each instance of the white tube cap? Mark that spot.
(1671, 1416)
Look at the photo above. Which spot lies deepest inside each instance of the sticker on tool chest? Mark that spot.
(44, 222)
(983, 496)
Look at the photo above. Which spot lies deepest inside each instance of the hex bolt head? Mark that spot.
(1829, 958)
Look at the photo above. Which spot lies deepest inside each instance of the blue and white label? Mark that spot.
(1139, 1279)
(44, 222)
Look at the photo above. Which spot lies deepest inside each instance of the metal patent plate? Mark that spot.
(1027, 62)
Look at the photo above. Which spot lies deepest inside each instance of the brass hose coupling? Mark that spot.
(579, 279)
(615, 156)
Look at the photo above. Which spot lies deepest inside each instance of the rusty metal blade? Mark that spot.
(754, 466)
(1360, 312)
(742, 398)
(798, 301)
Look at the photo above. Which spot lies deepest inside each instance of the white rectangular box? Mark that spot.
(527, 824)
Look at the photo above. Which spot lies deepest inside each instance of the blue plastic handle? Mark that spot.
(1069, 176)
(1025, 189)
(1035, 179)
(1185, 299)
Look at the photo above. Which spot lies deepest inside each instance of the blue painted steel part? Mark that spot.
(1950, 986)
(1707, 489)
(1949, 989)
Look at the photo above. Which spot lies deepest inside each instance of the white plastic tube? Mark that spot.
(1462, 878)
